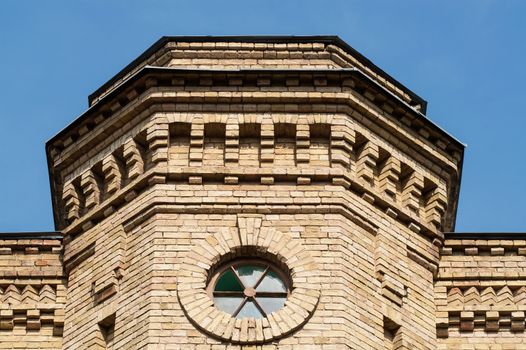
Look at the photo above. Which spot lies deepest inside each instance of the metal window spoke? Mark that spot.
(248, 302)
(259, 307)
(240, 307)
(272, 294)
(262, 277)
(228, 294)
(237, 277)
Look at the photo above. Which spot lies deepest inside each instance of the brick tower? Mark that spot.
(263, 193)
(296, 151)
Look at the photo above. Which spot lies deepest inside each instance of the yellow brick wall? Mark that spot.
(324, 180)
(353, 299)
(345, 186)
(481, 294)
(32, 294)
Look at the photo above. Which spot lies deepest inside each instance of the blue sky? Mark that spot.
(466, 58)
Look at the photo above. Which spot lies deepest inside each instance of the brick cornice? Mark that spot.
(387, 105)
(347, 101)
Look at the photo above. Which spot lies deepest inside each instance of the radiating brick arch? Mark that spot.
(287, 251)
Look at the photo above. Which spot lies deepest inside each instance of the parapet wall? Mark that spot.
(270, 53)
(480, 292)
(32, 291)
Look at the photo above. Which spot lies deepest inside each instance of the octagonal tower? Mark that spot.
(216, 167)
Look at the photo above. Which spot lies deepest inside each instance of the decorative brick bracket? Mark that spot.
(250, 236)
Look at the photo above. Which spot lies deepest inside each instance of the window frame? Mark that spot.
(232, 265)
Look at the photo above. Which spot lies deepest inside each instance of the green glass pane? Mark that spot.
(249, 310)
(270, 305)
(249, 274)
(228, 282)
(271, 283)
(228, 304)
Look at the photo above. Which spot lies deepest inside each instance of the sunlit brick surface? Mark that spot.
(298, 151)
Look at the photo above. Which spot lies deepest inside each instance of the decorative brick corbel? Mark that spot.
(267, 143)
(412, 190)
(389, 175)
(366, 161)
(58, 322)
(112, 175)
(467, 321)
(392, 289)
(133, 158)
(302, 143)
(492, 321)
(71, 200)
(105, 289)
(231, 143)
(436, 206)
(517, 321)
(342, 141)
(33, 320)
(442, 322)
(197, 134)
(90, 189)
(157, 138)
(6, 319)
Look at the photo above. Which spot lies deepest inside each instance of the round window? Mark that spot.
(249, 288)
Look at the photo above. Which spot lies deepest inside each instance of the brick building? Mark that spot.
(258, 193)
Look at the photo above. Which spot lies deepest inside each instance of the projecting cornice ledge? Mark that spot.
(323, 79)
(344, 91)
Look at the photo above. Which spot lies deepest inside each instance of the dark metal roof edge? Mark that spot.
(486, 235)
(51, 176)
(326, 39)
(457, 191)
(30, 235)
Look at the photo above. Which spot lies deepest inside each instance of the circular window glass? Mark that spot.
(249, 288)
